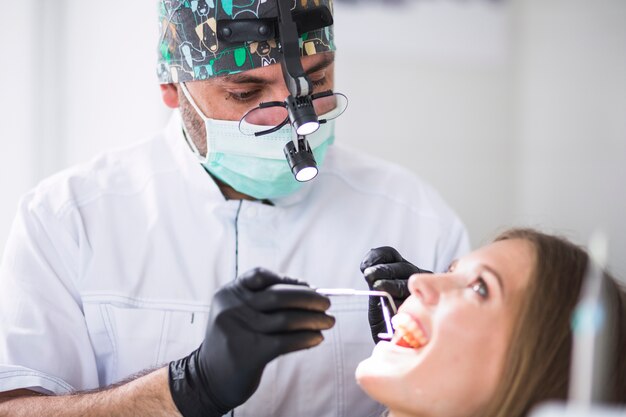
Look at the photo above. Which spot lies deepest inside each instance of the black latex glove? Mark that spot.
(385, 269)
(251, 322)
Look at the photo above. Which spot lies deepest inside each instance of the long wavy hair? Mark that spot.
(537, 365)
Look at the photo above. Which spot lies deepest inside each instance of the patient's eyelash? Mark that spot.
(479, 286)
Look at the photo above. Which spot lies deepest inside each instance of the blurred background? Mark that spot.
(515, 110)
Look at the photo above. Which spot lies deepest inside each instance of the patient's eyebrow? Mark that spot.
(489, 269)
(498, 277)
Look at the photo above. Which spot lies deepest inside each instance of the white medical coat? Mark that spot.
(110, 268)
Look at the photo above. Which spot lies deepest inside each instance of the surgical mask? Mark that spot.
(255, 165)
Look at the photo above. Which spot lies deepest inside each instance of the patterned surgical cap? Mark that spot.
(189, 49)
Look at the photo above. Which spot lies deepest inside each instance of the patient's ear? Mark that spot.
(169, 94)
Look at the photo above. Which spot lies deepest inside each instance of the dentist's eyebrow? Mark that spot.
(323, 64)
(245, 78)
(241, 78)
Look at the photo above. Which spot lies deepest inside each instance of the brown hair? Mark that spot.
(537, 367)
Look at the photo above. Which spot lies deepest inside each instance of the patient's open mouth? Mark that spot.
(408, 332)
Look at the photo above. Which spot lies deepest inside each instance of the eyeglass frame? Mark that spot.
(283, 104)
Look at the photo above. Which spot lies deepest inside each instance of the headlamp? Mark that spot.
(299, 103)
(302, 115)
(288, 27)
(301, 160)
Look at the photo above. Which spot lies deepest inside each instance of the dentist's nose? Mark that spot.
(279, 92)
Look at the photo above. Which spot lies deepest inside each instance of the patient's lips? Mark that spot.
(409, 333)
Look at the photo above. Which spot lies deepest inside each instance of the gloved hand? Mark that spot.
(251, 322)
(385, 269)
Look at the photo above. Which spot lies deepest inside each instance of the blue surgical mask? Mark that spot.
(255, 165)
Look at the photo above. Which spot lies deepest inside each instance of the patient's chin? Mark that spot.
(378, 381)
(405, 382)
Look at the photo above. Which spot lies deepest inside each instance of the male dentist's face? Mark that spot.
(452, 335)
(231, 97)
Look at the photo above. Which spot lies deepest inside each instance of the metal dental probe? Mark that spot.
(382, 294)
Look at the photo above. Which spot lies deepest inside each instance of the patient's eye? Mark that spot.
(479, 286)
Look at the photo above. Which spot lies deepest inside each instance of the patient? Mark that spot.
(491, 337)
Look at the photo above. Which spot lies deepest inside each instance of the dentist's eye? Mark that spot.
(319, 83)
(243, 96)
(480, 287)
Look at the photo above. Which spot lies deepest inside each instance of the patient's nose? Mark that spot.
(428, 288)
(424, 288)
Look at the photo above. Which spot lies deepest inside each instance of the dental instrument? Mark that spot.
(382, 294)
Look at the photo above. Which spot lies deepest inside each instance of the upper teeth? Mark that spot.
(409, 330)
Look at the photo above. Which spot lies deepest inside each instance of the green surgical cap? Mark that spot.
(189, 49)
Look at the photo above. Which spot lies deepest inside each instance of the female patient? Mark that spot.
(492, 336)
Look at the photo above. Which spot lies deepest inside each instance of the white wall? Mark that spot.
(571, 111)
(435, 82)
(18, 151)
(112, 94)
(513, 110)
